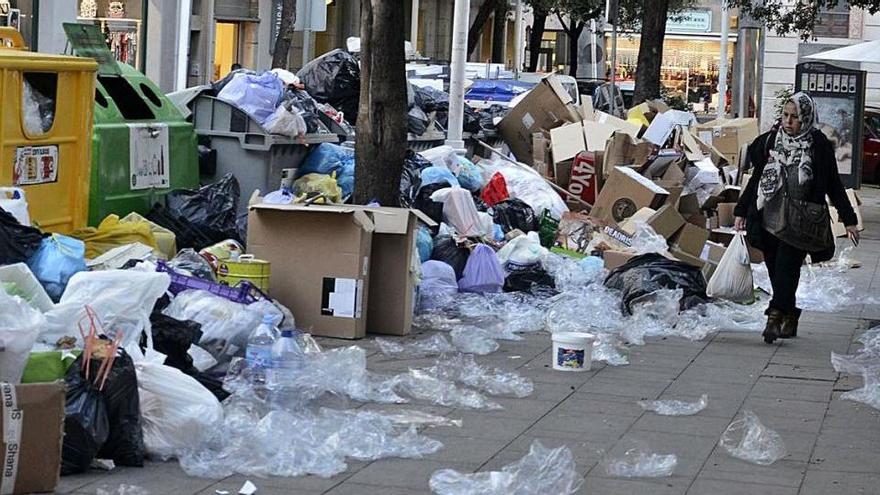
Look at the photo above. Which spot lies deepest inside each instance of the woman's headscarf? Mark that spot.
(790, 152)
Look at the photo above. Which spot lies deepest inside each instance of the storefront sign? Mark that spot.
(35, 165)
(149, 161)
(691, 21)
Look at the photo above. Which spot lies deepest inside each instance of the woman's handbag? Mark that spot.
(803, 224)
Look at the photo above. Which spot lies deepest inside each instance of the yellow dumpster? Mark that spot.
(46, 104)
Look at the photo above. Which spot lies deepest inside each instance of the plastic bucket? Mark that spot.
(572, 351)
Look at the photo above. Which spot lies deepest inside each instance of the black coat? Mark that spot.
(826, 182)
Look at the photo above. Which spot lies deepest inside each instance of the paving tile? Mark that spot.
(784, 388)
(704, 486)
(602, 404)
(406, 473)
(784, 472)
(359, 489)
(697, 425)
(160, 478)
(839, 483)
(798, 371)
(692, 451)
(618, 486)
(622, 388)
(845, 459)
(479, 424)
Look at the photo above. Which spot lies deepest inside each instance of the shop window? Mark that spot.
(39, 93)
(151, 95)
(833, 23)
(121, 21)
(128, 101)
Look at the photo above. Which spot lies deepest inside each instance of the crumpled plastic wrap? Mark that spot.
(423, 385)
(473, 340)
(421, 418)
(638, 462)
(869, 393)
(431, 346)
(825, 289)
(342, 371)
(463, 368)
(646, 240)
(675, 407)
(865, 361)
(748, 439)
(542, 470)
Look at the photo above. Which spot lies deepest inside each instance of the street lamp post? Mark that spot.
(457, 73)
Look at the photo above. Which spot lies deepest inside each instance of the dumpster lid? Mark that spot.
(88, 41)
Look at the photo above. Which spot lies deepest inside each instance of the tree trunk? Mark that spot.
(381, 124)
(499, 34)
(574, 34)
(535, 37)
(480, 21)
(651, 51)
(285, 34)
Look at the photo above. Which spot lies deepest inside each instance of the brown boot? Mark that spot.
(790, 325)
(773, 329)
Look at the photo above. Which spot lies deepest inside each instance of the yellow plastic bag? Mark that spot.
(112, 233)
(310, 185)
(165, 239)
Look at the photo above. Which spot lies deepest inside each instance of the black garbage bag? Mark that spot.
(334, 78)
(534, 280)
(488, 116)
(211, 208)
(427, 205)
(651, 272)
(411, 177)
(86, 426)
(448, 251)
(471, 120)
(431, 99)
(416, 121)
(513, 214)
(17, 242)
(125, 444)
(241, 225)
(192, 263)
(307, 107)
(188, 234)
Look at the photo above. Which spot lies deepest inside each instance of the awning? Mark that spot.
(867, 52)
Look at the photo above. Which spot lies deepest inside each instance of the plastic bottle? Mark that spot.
(260, 343)
(287, 359)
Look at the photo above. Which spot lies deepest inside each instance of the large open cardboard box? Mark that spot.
(320, 259)
(729, 136)
(624, 193)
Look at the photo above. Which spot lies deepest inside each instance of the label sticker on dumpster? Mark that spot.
(35, 165)
(149, 161)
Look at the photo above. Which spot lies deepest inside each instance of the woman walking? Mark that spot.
(783, 207)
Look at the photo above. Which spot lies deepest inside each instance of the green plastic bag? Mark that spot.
(48, 366)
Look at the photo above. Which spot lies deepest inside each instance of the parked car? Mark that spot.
(871, 146)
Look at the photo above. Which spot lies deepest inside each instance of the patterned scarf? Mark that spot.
(790, 152)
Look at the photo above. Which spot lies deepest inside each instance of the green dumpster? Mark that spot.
(142, 146)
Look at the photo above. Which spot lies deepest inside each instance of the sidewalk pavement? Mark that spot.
(833, 445)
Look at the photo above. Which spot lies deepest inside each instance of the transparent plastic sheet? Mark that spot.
(675, 407)
(252, 442)
(463, 368)
(123, 489)
(431, 346)
(639, 462)
(825, 289)
(422, 385)
(865, 361)
(342, 371)
(646, 240)
(570, 274)
(748, 439)
(870, 392)
(473, 340)
(542, 470)
(609, 349)
(421, 418)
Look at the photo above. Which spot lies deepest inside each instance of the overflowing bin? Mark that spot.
(143, 147)
(45, 128)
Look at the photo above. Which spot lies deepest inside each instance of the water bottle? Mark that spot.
(287, 359)
(259, 347)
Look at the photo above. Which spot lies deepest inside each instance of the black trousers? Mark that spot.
(784, 266)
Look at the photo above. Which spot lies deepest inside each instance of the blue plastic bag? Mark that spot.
(58, 259)
(497, 232)
(255, 95)
(438, 175)
(483, 272)
(469, 177)
(328, 158)
(424, 243)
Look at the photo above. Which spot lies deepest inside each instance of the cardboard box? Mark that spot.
(641, 216)
(729, 136)
(567, 141)
(320, 259)
(713, 251)
(614, 259)
(837, 227)
(666, 221)
(547, 105)
(584, 181)
(541, 152)
(689, 204)
(674, 191)
(624, 193)
(685, 257)
(691, 239)
(725, 214)
(36, 413)
(392, 289)
(622, 149)
(697, 219)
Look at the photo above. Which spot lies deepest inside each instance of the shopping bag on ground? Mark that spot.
(732, 279)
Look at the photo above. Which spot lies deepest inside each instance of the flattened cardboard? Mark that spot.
(641, 216)
(625, 126)
(691, 239)
(660, 129)
(42, 432)
(567, 141)
(666, 221)
(725, 214)
(685, 257)
(622, 149)
(614, 259)
(546, 106)
(692, 149)
(392, 288)
(320, 258)
(713, 251)
(586, 108)
(689, 204)
(729, 136)
(624, 193)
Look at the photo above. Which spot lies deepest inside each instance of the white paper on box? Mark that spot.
(659, 130)
(706, 137)
(342, 300)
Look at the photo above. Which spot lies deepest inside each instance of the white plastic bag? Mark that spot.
(286, 123)
(122, 299)
(748, 439)
(178, 412)
(459, 210)
(732, 279)
(12, 200)
(522, 253)
(20, 325)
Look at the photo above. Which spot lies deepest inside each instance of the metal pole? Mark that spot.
(183, 33)
(307, 31)
(722, 63)
(613, 18)
(457, 73)
(414, 25)
(593, 49)
(518, 37)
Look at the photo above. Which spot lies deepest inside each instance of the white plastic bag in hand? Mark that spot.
(732, 279)
(178, 412)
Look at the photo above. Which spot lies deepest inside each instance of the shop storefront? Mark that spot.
(123, 24)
